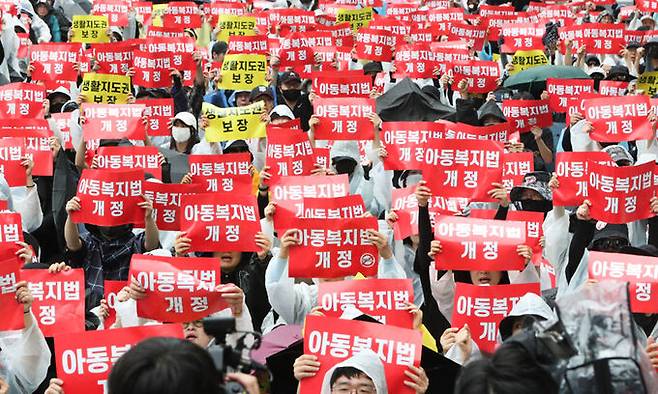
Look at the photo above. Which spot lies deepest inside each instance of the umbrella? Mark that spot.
(275, 341)
(407, 102)
(534, 79)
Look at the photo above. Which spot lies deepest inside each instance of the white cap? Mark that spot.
(62, 90)
(282, 111)
(187, 118)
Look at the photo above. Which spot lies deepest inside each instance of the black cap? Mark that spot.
(289, 76)
(633, 45)
(592, 58)
(260, 91)
(617, 71)
(604, 231)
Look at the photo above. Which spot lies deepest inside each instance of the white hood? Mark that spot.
(366, 361)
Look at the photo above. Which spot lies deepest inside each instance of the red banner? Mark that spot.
(146, 158)
(342, 84)
(116, 11)
(22, 100)
(159, 113)
(84, 359)
(178, 289)
(613, 88)
(516, 166)
(336, 340)
(54, 61)
(598, 38)
(482, 76)
(110, 198)
(11, 231)
(374, 44)
(152, 68)
(289, 153)
(113, 121)
(415, 61)
(344, 118)
(640, 271)
(166, 202)
(111, 290)
(384, 299)
(479, 244)
(333, 248)
(35, 133)
(621, 194)
(289, 194)
(222, 173)
(12, 151)
(526, 114)
(346, 207)
(622, 119)
(474, 35)
(463, 168)
(220, 222)
(114, 58)
(256, 45)
(405, 143)
(10, 310)
(214, 10)
(522, 37)
(461, 131)
(483, 308)
(561, 90)
(59, 300)
(185, 14)
(534, 230)
(572, 171)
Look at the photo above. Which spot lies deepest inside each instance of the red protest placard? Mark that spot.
(222, 173)
(11, 231)
(322, 157)
(220, 222)
(35, 134)
(290, 191)
(22, 100)
(624, 119)
(293, 54)
(346, 207)
(110, 198)
(415, 61)
(621, 194)
(522, 36)
(54, 61)
(333, 248)
(534, 229)
(63, 120)
(463, 168)
(344, 118)
(289, 153)
(336, 340)
(166, 202)
(84, 359)
(24, 45)
(178, 289)
(116, 11)
(482, 76)
(111, 290)
(152, 68)
(159, 113)
(640, 271)
(12, 151)
(496, 132)
(10, 310)
(113, 121)
(384, 299)
(598, 38)
(516, 166)
(215, 9)
(374, 44)
(572, 171)
(473, 35)
(479, 244)
(613, 88)
(185, 14)
(342, 84)
(114, 58)
(526, 114)
(560, 90)
(146, 158)
(483, 307)
(405, 143)
(257, 45)
(59, 300)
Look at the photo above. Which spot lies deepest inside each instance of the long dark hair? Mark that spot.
(194, 139)
(465, 277)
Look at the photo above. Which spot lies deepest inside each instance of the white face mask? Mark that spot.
(180, 134)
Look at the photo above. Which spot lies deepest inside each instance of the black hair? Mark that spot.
(164, 366)
(465, 277)
(348, 372)
(511, 370)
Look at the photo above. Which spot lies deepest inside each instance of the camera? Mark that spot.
(228, 358)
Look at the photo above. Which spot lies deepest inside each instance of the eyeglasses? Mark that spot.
(348, 389)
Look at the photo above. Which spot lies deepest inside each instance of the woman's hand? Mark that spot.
(435, 248)
(305, 366)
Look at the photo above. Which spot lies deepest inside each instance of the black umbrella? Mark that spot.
(407, 102)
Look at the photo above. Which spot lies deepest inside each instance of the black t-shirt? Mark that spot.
(303, 110)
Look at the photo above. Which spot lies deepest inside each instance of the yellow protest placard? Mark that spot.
(243, 72)
(235, 25)
(237, 123)
(105, 88)
(523, 60)
(357, 18)
(90, 29)
(648, 82)
(156, 15)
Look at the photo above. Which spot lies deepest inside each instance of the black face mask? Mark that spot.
(115, 232)
(345, 167)
(292, 94)
(543, 206)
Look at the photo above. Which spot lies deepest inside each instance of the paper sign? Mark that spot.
(222, 173)
(22, 100)
(243, 72)
(523, 60)
(622, 119)
(572, 170)
(113, 121)
(105, 88)
(523, 115)
(236, 123)
(344, 118)
(166, 202)
(357, 18)
(146, 158)
(90, 29)
(11, 310)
